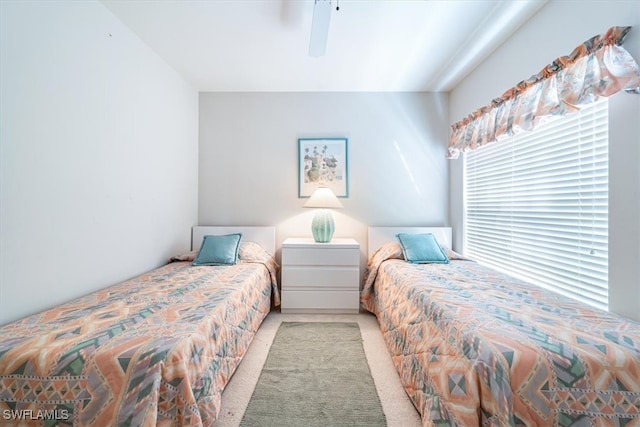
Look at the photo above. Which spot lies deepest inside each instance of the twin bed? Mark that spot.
(155, 350)
(474, 347)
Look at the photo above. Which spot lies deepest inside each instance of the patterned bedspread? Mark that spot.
(475, 347)
(155, 350)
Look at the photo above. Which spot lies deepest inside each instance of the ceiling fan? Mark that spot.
(320, 27)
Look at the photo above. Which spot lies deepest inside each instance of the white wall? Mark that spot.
(556, 30)
(397, 170)
(99, 155)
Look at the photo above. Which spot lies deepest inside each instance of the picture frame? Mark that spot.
(323, 162)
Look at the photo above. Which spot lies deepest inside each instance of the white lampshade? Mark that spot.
(323, 197)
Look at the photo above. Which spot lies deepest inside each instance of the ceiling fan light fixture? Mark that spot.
(320, 27)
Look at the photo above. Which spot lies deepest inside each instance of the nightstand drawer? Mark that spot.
(318, 276)
(322, 300)
(318, 256)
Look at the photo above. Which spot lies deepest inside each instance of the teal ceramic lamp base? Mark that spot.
(323, 226)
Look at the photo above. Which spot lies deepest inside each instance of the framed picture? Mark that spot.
(322, 162)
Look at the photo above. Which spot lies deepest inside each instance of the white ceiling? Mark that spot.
(373, 45)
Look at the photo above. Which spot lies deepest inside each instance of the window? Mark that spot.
(536, 205)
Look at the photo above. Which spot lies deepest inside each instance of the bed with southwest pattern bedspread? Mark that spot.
(155, 350)
(475, 347)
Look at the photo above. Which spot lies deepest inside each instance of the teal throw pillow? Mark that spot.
(422, 249)
(219, 250)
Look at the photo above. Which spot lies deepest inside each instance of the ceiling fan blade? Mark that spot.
(320, 27)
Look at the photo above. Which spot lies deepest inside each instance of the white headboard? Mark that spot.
(264, 236)
(379, 235)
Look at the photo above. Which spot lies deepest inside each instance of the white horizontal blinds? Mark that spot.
(536, 205)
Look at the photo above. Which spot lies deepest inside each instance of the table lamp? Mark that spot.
(323, 226)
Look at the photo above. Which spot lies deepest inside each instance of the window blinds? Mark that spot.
(536, 205)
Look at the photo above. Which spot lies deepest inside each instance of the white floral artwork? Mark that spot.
(322, 162)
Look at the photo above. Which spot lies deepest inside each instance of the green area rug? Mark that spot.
(316, 374)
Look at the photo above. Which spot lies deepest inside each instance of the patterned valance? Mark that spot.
(598, 67)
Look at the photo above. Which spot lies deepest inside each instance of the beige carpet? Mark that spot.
(397, 407)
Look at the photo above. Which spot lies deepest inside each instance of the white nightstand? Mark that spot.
(320, 277)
